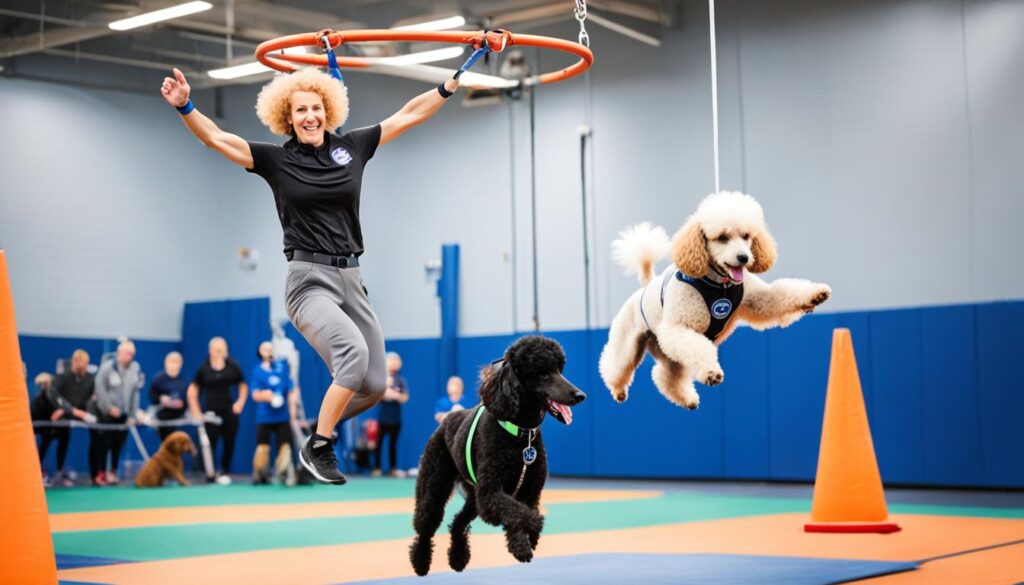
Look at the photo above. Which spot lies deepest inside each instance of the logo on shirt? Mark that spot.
(274, 380)
(341, 156)
(721, 308)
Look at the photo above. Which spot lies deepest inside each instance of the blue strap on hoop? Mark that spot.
(472, 59)
(332, 61)
(484, 48)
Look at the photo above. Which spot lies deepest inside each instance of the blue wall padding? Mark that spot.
(668, 569)
(420, 367)
(244, 324)
(940, 387)
(745, 449)
(897, 412)
(1001, 392)
(448, 293)
(559, 438)
(952, 449)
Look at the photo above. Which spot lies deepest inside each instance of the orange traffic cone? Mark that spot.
(25, 531)
(848, 494)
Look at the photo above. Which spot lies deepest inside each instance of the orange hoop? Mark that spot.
(496, 40)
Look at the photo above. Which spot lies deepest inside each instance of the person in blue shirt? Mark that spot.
(275, 396)
(168, 393)
(452, 402)
(389, 416)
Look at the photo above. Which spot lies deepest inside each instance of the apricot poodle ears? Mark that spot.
(500, 389)
(180, 443)
(762, 247)
(690, 250)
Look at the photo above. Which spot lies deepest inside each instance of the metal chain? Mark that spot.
(522, 474)
(580, 12)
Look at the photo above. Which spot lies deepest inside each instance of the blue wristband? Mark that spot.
(186, 109)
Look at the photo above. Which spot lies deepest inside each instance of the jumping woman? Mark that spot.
(316, 178)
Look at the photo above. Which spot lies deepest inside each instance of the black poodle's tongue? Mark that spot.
(560, 411)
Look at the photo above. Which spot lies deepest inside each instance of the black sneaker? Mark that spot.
(317, 456)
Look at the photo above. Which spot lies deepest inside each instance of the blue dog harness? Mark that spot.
(721, 299)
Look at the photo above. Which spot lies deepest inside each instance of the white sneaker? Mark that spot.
(223, 479)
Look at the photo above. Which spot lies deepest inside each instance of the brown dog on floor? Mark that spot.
(167, 463)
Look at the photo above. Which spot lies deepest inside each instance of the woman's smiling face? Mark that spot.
(307, 117)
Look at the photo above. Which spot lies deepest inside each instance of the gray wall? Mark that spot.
(106, 225)
(883, 140)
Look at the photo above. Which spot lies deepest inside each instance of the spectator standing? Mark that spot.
(389, 416)
(168, 393)
(214, 380)
(44, 408)
(74, 394)
(118, 383)
(274, 395)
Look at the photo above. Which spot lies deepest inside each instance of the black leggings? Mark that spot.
(102, 443)
(385, 430)
(228, 428)
(46, 436)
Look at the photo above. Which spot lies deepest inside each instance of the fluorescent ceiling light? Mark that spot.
(250, 68)
(236, 71)
(159, 15)
(471, 79)
(423, 56)
(439, 24)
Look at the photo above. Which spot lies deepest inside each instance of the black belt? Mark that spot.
(326, 259)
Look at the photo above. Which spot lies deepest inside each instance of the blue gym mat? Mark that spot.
(696, 569)
(79, 561)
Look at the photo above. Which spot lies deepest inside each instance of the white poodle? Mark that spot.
(692, 307)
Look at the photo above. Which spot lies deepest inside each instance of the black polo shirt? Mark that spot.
(77, 390)
(215, 385)
(317, 189)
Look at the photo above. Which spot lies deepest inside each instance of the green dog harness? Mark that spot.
(529, 453)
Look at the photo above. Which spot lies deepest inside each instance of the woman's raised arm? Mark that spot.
(176, 92)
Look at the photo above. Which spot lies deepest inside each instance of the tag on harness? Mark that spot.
(529, 455)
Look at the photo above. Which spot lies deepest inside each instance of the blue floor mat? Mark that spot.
(696, 569)
(78, 561)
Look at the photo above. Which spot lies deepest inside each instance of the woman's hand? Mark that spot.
(237, 407)
(176, 91)
(451, 84)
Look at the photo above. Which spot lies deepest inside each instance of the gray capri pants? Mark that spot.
(329, 306)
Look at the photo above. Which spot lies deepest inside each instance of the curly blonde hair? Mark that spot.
(273, 105)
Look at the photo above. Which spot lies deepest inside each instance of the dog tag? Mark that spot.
(529, 455)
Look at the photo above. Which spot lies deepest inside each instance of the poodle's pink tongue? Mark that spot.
(563, 410)
(736, 273)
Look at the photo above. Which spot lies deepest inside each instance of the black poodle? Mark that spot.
(507, 465)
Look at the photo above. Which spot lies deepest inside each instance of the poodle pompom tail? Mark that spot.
(639, 247)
